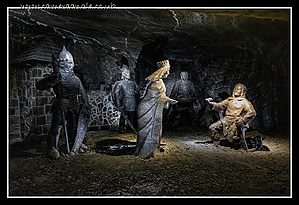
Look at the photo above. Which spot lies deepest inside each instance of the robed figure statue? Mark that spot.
(150, 111)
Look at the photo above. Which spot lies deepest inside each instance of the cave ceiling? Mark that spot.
(130, 29)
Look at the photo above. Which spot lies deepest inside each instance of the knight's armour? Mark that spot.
(126, 90)
(70, 91)
(71, 99)
(129, 90)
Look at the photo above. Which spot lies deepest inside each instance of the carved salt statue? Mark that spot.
(238, 112)
(124, 94)
(184, 92)
(70, 109)
(150, 110)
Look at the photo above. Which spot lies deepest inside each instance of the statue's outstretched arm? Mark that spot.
(217, 106)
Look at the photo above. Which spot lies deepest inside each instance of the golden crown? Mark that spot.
(162, 64)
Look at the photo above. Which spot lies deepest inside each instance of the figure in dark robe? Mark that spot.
(238, 112)
(184, 92)
(71, 103)
(150, 111)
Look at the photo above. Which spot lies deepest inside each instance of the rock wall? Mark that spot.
(30, 108)
(218, 51)
(14, 115)
(103, 114)
(263, 71)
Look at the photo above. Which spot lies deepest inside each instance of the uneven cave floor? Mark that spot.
(185, 168)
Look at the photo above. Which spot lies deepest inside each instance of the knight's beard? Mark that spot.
(66, 69)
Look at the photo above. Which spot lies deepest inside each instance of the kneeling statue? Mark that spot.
(238, 112)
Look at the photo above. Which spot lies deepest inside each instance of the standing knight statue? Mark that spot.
(124, 92)
(70, 109)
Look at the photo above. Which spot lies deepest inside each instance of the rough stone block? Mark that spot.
(49, 119)
(14, 120)
(40, 101)
(14, 103)
(12, 111)
(48, 108)
(46, 129)
(14, 131)
(34, 72)
(39, 73)
(39, 110)
(38, 129)
(41, 120)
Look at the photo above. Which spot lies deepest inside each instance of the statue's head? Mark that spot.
(66, 60)
(125, 74)
(184, 75)
(162, 72)
(239, 90)
(163, 64)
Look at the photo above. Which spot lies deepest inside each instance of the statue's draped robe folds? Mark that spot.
(149, 114)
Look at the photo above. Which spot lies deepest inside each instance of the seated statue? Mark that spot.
(184, 92)
(238, 112)
(70, 109)
(150, 111)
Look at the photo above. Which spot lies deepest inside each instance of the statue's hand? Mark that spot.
(209, 100)
(86, 109)
(239, 121)
(171, 101)
(55, 77)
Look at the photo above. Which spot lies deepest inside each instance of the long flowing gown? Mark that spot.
(149, 114)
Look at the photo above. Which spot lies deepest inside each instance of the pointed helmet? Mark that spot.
(65, 55)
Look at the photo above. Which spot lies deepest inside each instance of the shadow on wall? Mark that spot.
(147, 60)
